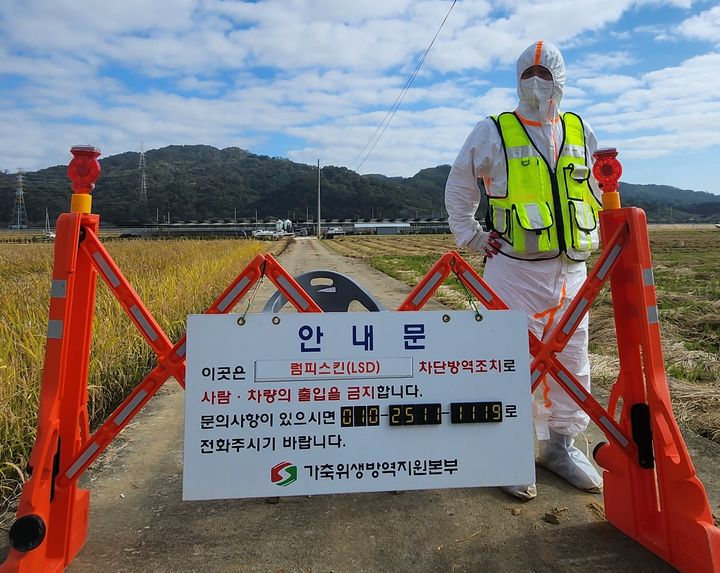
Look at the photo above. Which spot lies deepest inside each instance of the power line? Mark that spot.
(401, 96)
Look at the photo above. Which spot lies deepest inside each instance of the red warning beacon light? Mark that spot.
(607, 170)
(83, 171)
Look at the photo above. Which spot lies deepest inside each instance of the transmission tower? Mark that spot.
(143, 181)
(19, 219)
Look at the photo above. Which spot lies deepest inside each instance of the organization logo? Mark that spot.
(283, 474)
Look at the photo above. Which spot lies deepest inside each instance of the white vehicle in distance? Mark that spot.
(333, 231)
(265, 234)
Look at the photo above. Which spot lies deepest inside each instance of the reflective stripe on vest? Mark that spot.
(544, 212)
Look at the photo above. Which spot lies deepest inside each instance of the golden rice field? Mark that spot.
(174, 278)
(687, 274)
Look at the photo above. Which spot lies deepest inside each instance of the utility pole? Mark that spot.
(19, 219)
(318, 202)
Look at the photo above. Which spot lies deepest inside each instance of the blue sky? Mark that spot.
(309, 79)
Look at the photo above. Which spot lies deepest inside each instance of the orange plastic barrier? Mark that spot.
(655, 498)
(52, 518)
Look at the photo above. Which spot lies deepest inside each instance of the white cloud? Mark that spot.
(676, 3)
(663, 145)
(593, 64)
(605, 84)
(704, 26)
(667, 112)
(650, 29)
(193, 83)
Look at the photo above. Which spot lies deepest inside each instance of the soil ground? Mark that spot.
(138, 522)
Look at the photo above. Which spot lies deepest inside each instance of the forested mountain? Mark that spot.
(199, 182)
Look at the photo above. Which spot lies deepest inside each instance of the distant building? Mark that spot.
(384, 228)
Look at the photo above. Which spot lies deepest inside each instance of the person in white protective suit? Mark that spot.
(535, 164)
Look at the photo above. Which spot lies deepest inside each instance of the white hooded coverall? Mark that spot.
(542, 288)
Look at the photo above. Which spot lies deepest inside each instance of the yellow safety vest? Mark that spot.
(545, 212)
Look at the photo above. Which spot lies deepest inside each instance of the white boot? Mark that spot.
(524, 492)
(559, 455)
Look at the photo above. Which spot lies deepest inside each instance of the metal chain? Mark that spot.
(470, 298)
(255, 291)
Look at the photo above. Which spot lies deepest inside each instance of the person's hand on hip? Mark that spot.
(487, 242)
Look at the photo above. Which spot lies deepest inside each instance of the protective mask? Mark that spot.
(536, 91)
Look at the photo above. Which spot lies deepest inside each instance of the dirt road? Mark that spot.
(138, 522)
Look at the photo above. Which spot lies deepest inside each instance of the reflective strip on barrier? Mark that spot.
(103, 264)
(293, 292)
(579, 310)
(80, 462)
(120, 418)
(225, 302)
(469, 277)
(648, 277)
(144, 324)
(614, 431)
(55, 329)
(616, 250)
(652, 313)
(58, 288)
(570, 383)
(428, 286)
(181, 350)
(535, 375)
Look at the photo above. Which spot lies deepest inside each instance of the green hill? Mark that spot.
(200, 182)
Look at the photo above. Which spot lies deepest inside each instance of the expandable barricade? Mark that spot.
(52, 521)
(651, 490)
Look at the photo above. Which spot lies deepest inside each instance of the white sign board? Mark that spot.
(311, 403)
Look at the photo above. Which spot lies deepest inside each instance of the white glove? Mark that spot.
(485, 241)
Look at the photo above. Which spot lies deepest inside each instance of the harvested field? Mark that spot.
(687, 276)
(174, 278)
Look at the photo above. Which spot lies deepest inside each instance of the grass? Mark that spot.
(687, 276)
(174, 278)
